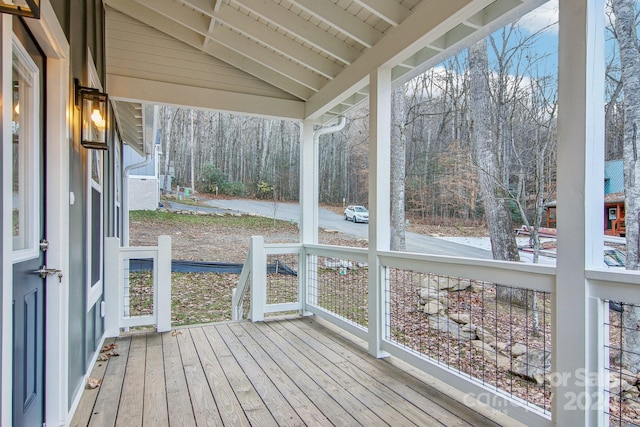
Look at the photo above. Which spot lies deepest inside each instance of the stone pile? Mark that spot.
(532, 364)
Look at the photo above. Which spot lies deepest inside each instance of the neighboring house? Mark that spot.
(613, 201)
(614, 198)
(140, 170)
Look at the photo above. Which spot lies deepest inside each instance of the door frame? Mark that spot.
(52, 40)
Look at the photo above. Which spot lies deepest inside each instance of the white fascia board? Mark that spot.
(134, 90)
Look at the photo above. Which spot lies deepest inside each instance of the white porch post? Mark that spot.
(112, 287)
(580, 204)
(379, 198)
(258, 279)
(163, 293)
(308, 185)
(308, 211)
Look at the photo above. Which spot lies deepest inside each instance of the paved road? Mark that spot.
(330, 221)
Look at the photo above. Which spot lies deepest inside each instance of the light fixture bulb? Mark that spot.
(97, 119)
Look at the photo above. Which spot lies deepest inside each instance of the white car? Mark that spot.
(356, 213)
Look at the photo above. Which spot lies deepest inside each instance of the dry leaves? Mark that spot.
(93, 383)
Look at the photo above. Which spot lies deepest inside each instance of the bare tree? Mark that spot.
(626, 33)
(398, 162)
(487, 155)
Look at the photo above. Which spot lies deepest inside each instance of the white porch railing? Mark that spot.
(477, 358)
(148, 270)
(268, 294)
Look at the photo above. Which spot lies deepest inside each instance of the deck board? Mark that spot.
(131, 411)
(155, 412)
(287, 372)
(106, 407)
(226, 401)
(179, 406)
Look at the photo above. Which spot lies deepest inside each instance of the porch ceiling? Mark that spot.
(298, 59)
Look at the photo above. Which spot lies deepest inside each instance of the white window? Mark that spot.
(95, 211)
(25, 159)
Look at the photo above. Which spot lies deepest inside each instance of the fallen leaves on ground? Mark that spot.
(93, 383)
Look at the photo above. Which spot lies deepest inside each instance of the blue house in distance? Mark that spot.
(613, 200)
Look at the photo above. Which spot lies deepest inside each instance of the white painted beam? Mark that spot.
(270, 37)
(388, 10)
(302, 29)
(251, 49)
(132, 89)
(341, 20)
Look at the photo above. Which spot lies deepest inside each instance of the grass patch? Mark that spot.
(244, 221)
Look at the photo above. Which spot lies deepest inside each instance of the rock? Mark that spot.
(633, 393)
(618, 385)
(502, 346)
(431, 293)
(502, 362)
(446, 325)
(440, 283)
(533, 365)
(469, 327)
(462, 318)
(518, 349)
(433, 307)
(632, 405)
(614, 357)
(486, 335)
(459, 284)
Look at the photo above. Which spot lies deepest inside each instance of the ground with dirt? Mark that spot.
(206, 297)
(226, 238)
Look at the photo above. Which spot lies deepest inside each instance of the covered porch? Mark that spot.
(326, 64)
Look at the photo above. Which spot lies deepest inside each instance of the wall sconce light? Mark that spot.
(26, 8)
(94, 112)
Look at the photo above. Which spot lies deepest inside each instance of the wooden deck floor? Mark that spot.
(288, 372)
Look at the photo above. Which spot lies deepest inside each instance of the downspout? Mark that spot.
(331, 129)
(342, 121)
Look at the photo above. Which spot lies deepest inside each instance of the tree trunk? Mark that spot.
(486, 149)
(487, 156)
(398, 164)
(625, 29)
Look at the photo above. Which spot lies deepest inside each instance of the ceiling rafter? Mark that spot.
(302, 29)
(196, 21)
(269, 37)
(390, 11)
(342, 20)
(215, 49)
